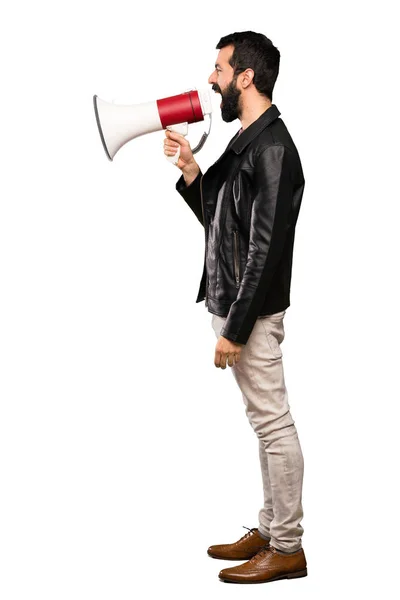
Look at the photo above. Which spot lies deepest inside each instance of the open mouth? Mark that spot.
(217, 92)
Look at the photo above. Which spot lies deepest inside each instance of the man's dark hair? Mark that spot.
(254, 51)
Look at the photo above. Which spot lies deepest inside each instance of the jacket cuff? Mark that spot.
(233, 337)
(191, 194)
(192, 188)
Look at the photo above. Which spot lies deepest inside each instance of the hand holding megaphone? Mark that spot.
(182, 129)
(177, 149)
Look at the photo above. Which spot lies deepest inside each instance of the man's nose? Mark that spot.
(211, 79)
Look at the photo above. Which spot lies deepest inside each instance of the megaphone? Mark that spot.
(120, 123)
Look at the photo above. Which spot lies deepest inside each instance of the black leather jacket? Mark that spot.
(248, 202)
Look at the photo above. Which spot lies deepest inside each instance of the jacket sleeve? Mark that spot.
(191, 195)
(269, 223)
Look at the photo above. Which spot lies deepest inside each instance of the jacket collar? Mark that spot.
(255, 128)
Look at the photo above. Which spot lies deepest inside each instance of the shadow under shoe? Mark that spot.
(248, 545)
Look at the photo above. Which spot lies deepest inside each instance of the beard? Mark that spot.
(230, 109)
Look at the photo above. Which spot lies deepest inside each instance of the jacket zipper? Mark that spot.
(205, 230)
(236, 256)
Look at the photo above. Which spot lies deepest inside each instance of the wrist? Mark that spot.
(190, 172)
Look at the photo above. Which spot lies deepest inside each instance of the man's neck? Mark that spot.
(251, 112)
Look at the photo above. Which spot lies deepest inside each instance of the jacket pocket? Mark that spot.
(236, 257)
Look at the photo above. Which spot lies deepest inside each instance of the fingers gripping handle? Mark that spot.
(181, 128)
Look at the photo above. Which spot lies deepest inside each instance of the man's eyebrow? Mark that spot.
(217, 65)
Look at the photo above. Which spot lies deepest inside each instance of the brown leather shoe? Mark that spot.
(245, 548)
(267, 565)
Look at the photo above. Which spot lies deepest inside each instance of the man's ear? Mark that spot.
(247, 77)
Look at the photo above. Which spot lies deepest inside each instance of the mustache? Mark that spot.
(215, 88)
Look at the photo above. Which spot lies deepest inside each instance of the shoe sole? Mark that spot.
(294, 575)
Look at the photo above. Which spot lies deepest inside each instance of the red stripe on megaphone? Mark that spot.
(183, 108)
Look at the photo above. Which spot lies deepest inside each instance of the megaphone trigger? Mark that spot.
(181, 128)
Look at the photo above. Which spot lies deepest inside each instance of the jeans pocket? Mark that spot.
(273, 341)
(274, 345)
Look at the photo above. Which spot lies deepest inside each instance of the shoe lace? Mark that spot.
(262, 551)
(246, 535)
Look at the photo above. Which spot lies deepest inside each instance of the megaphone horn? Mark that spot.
(120, 123)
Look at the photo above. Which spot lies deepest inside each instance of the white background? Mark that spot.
(124, 452)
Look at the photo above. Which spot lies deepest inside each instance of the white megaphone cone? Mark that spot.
(119, 123)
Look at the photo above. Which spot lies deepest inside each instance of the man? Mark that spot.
(248, 203)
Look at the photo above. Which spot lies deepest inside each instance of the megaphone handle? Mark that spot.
(182, 129)
(174, 159)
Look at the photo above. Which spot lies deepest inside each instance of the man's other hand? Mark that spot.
(226, 350)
